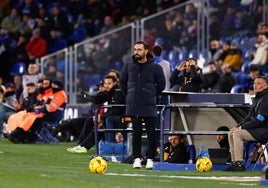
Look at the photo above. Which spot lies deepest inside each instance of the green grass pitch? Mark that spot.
(50, 165)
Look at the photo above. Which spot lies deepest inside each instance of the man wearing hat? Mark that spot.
(51, 111)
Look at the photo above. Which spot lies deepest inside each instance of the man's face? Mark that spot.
(30, 89)
(188, 64)
(140, 52)
(259, 85)
(109, 84)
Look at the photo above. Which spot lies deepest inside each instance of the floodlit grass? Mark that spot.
(48, 165)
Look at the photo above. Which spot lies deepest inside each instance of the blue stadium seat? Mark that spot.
(237, 89)
(159, 41)
(183, 55)
(193, 53)
(18, 69)
(79, 34)
(92, 80)
(241, 78)
(173, 58)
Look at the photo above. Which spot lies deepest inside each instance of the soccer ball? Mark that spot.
(97, 165)
(203, 164)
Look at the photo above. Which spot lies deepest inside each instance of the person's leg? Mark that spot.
(87, 128)
(110, 124)
(239, 137)
(150, 123)
(136, 141)
(136, 137)
(236, 142)
(231, 144)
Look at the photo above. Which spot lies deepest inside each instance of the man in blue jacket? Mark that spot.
(254, 127)
(142, 81)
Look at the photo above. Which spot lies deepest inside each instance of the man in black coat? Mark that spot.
(254, 127)
(112, 95)
(142, 81)
(187, 77)
(175, 150)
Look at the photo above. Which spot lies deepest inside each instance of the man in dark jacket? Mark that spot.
(187, 77)
(112, 95)
(142, 81)
(175, 150)
(254, 127)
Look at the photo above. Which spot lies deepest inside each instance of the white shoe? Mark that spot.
(149, 164)
(137, 163)
(77, 149)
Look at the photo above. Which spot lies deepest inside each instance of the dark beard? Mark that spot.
(137, 57)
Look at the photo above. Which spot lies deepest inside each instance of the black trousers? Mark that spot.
(150, 124)
(87, 135)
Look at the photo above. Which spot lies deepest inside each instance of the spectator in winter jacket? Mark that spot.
(50, 111)
(187, 77)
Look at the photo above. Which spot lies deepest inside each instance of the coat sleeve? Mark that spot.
(124, 79)
(260, 117)
(160, 80)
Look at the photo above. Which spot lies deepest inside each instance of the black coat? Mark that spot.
(142, 83)
(189, 82)
(179, 154)
(256, 122)
(114, 96)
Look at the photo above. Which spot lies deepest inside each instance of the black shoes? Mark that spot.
(235, 168)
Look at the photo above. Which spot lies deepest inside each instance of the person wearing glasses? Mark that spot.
(187, 76)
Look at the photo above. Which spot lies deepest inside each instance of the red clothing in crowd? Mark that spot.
(36, 48)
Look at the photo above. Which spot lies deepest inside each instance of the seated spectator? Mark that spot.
(108, 25)
(227, 79)
(32, 76)
(211, 78)
(254, 72)
(175, 150)
(48, 112)
(12, 22)
(37, 46)
(56, 42)
(253, 127)
(44, 93)
(261, 51)
(187, 77)
(80, 127)
(234, 56)
(215, 51)
(58, 19)
(20, 52)
(222, 139)
(27, 23)
(10, 104)
(110, 119)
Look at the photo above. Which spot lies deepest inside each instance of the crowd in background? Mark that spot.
(31, 29)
